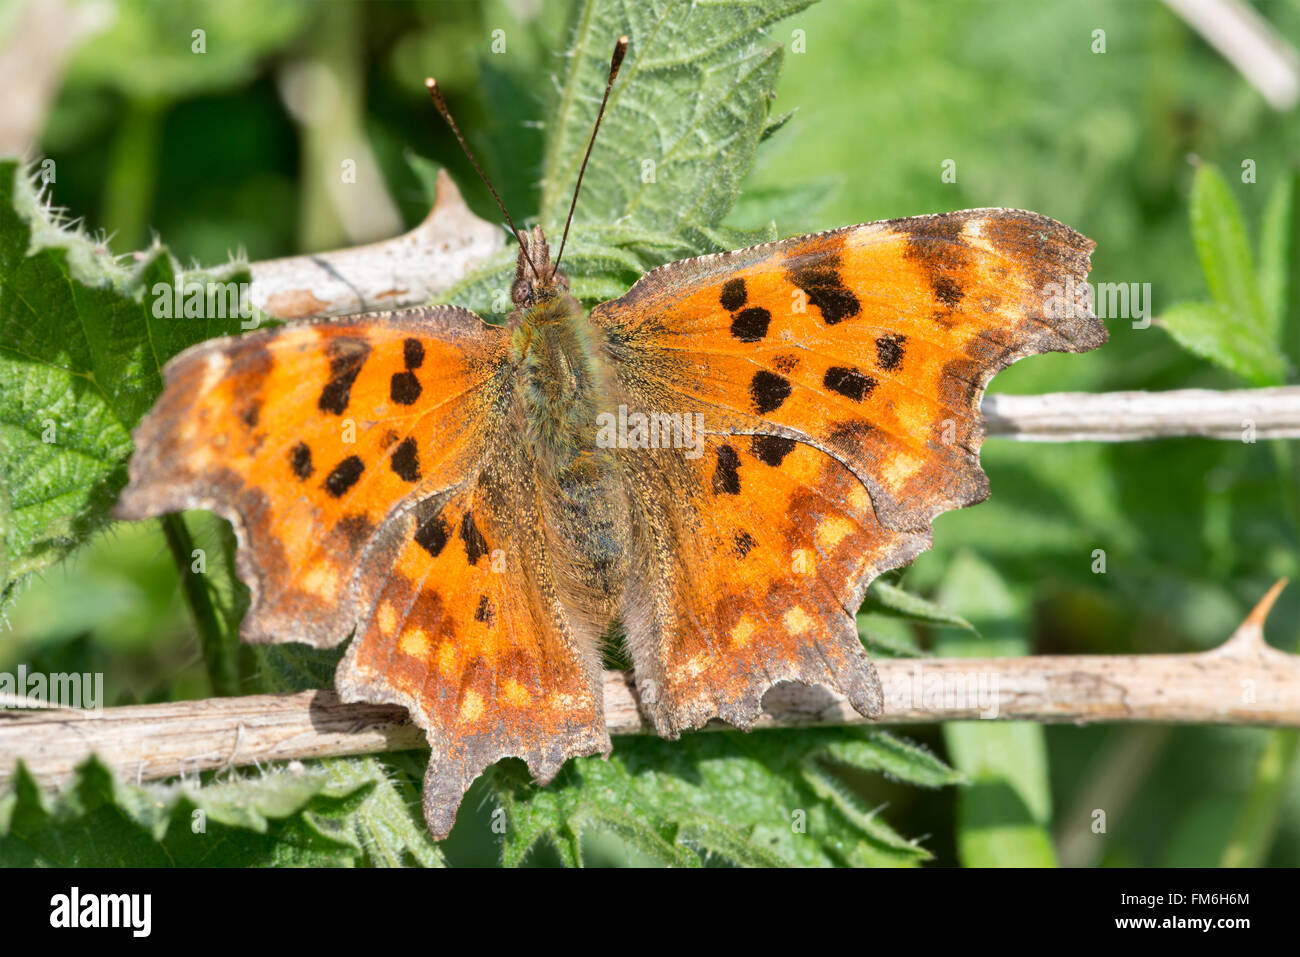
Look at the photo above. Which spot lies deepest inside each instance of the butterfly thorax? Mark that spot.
(563, 385)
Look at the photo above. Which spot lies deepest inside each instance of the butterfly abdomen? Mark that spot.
(563, 388)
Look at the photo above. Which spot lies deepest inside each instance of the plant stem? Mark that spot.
(133, 173)
(220, 647)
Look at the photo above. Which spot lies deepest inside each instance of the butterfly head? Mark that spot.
(537, 280)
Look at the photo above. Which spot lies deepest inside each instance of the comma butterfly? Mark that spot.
(717, 464)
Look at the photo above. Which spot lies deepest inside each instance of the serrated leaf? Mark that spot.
(744, 799)
(98, 821)
(833, 789)
(655, 167)
(892, 600)
(81, 354)
(879, 751)
(1224, 251)
(1214, 333)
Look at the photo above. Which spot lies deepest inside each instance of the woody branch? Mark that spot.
(1242, 682)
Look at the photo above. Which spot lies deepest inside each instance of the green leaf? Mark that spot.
(1224, 250)
(892, 600)
(889, 636)
(81, 354)
(757, 207)
(282, 817)
(778, 797)
(1214, 333)
(683, 121)
(1004, 814)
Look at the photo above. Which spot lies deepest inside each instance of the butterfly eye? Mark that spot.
(519, 291)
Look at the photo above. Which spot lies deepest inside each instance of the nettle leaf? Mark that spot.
(1224, 249)
(81, 353)
(689, 109)
(279, 818)
(767, 799)
(889, 599)
(1241, 328)
(1211, 332)
(683, 121)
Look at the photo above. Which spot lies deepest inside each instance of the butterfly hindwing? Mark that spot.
(868, 349)
(469, 634)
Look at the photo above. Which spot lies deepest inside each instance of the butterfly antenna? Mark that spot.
(438, 101)
(615, 62)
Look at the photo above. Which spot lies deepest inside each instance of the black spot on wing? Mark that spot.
(406, 461)
(405, 388)
(344, 475)
(750, 325)
(934, 242)
(849, 383)
(300, 461)
(889, 352)
(413, 353)
(726, 477)
(818, 275)
(431, 534)
(347, 355)
(744, 543)
(768, 390)
(771, 449)
(476, 545)
(733, 295)
(485, 612)
(251, 414)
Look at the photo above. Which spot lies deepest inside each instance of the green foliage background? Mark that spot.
(201, 151)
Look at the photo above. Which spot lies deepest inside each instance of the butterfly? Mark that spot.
(714, 466)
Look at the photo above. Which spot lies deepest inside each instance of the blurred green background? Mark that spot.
(215, 154)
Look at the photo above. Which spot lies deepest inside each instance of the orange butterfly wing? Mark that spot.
(372, 470)
(840, 377)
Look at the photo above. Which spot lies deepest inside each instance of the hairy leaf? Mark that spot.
(80, 357)
(765, 799)
(283, 817)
